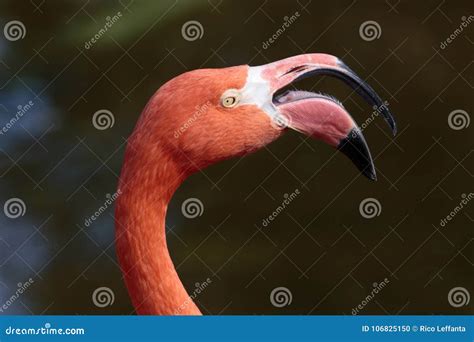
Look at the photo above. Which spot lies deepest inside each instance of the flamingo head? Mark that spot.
(209, 115)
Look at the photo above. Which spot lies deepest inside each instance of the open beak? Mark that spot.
(321, 116)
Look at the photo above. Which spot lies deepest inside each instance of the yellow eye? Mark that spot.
(230, 101)
(230, 98)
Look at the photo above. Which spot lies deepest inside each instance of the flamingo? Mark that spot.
(200, 118)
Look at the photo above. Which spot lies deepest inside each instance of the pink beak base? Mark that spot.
(324, 119)
(318, 117)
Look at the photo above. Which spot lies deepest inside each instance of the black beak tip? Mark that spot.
(370, 173)
(391, 121)
(355, 148)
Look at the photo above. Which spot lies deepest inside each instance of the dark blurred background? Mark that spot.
(60, 169)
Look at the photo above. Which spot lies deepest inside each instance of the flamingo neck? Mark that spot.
(148, 180)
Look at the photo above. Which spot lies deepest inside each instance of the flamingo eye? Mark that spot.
(230, 98)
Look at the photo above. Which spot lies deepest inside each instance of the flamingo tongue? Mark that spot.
(324, 118)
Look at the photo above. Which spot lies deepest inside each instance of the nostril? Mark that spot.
(296, 69)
